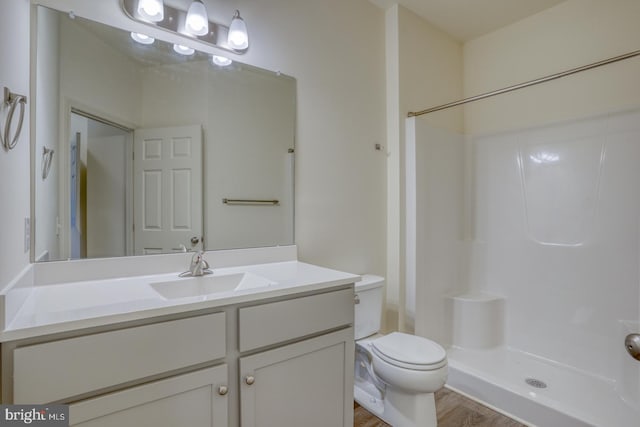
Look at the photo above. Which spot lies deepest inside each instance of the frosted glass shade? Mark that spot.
(197, 22)
(152, 10)
(183, 50)
(221, 61)
(142, 38)
(238, 37)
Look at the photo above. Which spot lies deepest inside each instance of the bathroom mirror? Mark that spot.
(154, 151)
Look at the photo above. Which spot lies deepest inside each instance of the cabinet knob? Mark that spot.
(249, 380)
(222, 390)
(356, 299)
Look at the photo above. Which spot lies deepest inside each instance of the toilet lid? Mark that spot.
(409, 351)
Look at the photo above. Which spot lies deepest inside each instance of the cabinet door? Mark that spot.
(195, 400)
(309, 384)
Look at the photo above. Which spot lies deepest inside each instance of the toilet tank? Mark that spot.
(368, 306)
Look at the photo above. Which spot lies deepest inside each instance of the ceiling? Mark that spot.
(468, 19)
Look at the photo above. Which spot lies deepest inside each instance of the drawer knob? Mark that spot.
(222, 390)
(356, 299)
(249, 380)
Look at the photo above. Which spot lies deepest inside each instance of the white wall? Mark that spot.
(15, 174)
(431, 69)
(571, 34)
(335, 50)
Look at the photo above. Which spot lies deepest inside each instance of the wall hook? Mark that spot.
(47, 157)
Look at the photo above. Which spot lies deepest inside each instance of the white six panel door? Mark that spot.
(168, 189)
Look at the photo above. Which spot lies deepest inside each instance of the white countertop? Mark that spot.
(64, 307)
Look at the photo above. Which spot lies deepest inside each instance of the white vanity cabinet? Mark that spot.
(281, 361)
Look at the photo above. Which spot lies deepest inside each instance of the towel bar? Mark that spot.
(249, 202)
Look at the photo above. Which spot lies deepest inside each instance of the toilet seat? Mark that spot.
(409, 352)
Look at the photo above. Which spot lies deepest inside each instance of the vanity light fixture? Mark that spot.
(238, 37)
(142, 38)
(151, 10)
(183, 50)
(193, 23)
(197, 20)
(221, 61)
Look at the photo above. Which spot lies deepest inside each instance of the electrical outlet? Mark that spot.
(27, 234)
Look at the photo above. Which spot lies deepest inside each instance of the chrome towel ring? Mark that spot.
(12, 100)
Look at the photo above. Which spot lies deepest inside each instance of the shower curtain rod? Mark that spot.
(526, 84)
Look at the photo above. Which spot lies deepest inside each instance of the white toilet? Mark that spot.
(396, 375)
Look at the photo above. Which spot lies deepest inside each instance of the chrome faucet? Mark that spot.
(198, 266)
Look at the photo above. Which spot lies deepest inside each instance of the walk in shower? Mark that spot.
(523, 245)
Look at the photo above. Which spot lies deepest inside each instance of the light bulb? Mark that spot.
(152, 10)
(142, 38)
(183, 50)
(197, 22)
(221, 61)
(238, 37)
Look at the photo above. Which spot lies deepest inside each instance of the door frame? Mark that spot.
(67, 107)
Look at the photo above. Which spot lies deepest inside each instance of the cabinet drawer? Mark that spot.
(61, 369)
(275, 322)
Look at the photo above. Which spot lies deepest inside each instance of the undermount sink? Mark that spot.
(207, 285)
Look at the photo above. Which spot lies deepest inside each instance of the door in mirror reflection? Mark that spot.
(167, 189)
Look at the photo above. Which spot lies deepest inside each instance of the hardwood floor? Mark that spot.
(453, 410)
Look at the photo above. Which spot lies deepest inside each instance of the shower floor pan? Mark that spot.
(537, 392)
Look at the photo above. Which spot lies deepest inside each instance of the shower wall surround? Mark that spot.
(547, 220)
(551, 215)
(555, 223)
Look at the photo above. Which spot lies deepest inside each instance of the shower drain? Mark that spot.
(534, 382)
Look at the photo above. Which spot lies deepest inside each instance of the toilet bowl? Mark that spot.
(396, 375)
